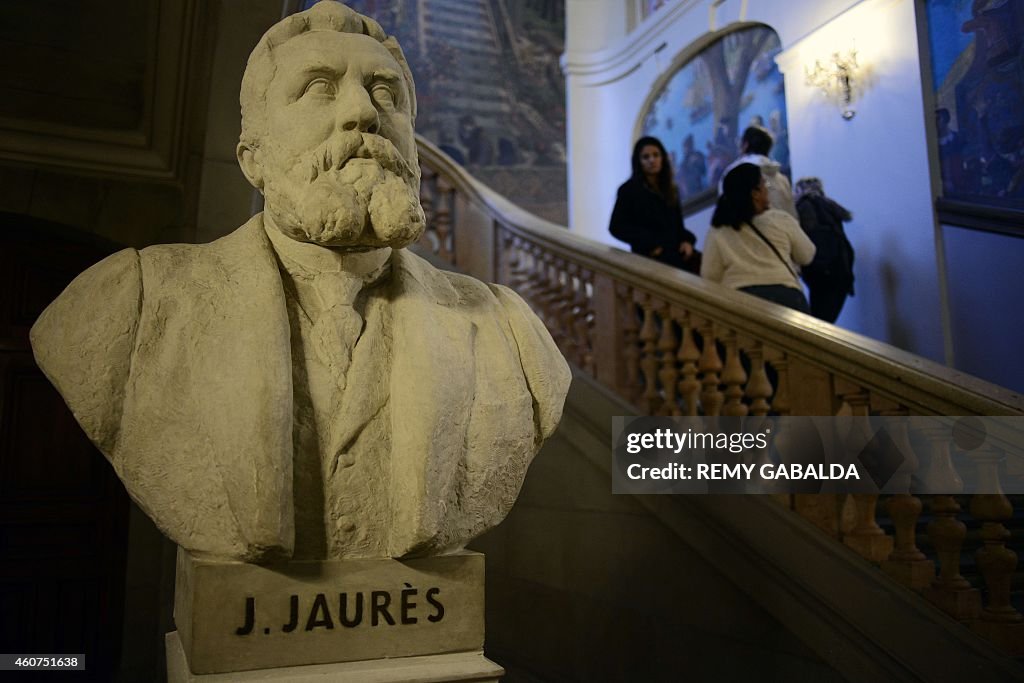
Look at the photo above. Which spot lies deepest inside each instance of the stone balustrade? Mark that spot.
(670, 343)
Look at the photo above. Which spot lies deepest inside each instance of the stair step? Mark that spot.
(464, 41)
(472, 106)
(457, 8)
(473, 89)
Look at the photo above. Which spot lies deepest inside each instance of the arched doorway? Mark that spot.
(718, 86)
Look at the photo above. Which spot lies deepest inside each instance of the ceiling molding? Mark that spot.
(153, 149)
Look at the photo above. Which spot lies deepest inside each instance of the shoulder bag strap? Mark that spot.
(776, 251)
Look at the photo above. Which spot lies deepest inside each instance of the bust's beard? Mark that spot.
(362, 205)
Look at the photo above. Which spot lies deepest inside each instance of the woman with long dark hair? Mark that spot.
(752, 247)
(647, 215)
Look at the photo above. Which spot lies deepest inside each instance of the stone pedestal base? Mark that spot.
(914, 574)
(1008, 637)
(963, 605)
(461, 666)
(874, 548)
(388, 619)
(820, 510)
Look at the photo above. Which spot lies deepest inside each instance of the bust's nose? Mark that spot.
(356, 110)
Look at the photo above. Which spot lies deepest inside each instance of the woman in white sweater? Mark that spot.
(752, 247)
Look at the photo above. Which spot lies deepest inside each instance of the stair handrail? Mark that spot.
(922, 385)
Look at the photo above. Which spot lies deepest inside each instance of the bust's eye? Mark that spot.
(383, 95)
(320, 87)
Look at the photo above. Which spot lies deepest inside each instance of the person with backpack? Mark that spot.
(829, 276)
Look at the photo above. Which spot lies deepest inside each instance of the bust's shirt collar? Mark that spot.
(311, 266)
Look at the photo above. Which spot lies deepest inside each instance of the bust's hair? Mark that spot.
(326, 15)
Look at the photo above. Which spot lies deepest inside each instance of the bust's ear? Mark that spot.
(252, 166)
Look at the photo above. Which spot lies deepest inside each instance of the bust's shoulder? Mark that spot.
(415, 276)
(239, 250)
(479, 301)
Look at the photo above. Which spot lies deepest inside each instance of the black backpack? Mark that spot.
(822, 220)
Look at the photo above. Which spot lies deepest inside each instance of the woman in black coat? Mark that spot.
(647, 215)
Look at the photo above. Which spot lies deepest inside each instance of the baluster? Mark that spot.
(551, 294)
(543, 288)
(734, 378)
(568, 314)
(780, 361)
(560, 298)
(907, 564)
(534, 275)
(443, 220)
(821, 509)
(518, 271)
(582, 321)
(503, 264)
(866, 537)
(525, 273)
(999, 621)
(669, 372)
(710, 366)
(574, 349)
(649, 358)
(631, 348)
(950, 591)
(759, 388)
(689, 355)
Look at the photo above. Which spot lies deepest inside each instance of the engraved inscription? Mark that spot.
(324, 611)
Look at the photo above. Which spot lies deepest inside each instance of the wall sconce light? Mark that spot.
(837, 79)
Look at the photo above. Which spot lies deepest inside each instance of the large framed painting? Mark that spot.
(976, 50)
(700, 109)
(489, 88)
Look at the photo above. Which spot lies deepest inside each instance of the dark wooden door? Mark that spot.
(63, 512)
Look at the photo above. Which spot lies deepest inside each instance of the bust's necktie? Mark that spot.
(336, 329)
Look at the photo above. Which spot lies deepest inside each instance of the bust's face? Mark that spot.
(338, 156)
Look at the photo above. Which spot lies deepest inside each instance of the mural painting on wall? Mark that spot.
(977, 50)
(489, 88)
(703, 108)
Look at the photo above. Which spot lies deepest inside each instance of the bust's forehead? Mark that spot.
(332, 50)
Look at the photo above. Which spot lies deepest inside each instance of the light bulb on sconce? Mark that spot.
(838, 79)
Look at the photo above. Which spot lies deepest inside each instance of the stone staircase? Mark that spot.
(865, 623)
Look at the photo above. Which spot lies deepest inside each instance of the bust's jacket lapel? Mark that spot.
(209, 400)
(431, 395)
(462, 413)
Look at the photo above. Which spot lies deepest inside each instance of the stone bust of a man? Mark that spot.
(305, 387)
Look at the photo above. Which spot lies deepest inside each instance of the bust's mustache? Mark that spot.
(333, 154)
